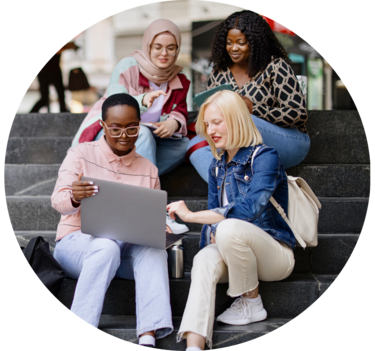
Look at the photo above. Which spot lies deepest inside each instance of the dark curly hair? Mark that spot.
(264, 46)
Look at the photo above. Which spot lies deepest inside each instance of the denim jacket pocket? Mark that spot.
(243, 180)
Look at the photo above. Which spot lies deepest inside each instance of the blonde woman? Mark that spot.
(243, 239)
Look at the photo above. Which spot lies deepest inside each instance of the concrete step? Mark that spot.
(338, 215)
(30, 179)
(337, 137)
(46, 124)
(325, 180)
(329, 257)
(124, 327)
(330, 180)
(40, 150)
(284, 299)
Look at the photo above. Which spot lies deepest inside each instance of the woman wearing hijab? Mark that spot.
(156, 82)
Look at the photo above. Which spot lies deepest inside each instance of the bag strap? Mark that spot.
(286, 219)
(279, 209)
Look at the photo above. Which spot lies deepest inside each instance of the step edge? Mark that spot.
(186, 198)
(189, 234)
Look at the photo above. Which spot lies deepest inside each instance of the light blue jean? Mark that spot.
(96, 261)
(165, 154)
(291, 144)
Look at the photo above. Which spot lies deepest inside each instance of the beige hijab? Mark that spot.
(147, 68)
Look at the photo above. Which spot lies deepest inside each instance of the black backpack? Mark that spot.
(44, 264)
(78, 80)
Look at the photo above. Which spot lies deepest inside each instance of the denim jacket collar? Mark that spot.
(242, 156)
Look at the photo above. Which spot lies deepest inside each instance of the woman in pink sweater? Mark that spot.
(96, 261)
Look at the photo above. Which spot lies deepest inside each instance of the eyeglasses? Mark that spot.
(117, 132)
(157, 50)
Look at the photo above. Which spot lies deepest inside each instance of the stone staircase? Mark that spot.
(337, 169)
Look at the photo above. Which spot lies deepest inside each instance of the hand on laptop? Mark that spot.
(82, 189)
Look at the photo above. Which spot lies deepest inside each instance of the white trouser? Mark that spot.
(243, 253)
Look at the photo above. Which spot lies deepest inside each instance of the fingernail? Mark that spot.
(91, 183)
(95, 191)
(96, 187)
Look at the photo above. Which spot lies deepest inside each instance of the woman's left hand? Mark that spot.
(179, 208)
(166, 129)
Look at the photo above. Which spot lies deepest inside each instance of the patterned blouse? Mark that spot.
(275, 93)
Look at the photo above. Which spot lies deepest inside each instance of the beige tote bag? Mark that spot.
(303, 210)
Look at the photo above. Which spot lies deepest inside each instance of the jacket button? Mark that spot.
(218, 187)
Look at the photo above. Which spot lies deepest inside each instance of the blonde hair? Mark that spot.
(242, 131)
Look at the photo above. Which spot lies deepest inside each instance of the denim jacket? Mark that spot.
(249, 188)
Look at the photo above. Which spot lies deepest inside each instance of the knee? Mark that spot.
(146, 143)
(228, 234)
(199, 260)
(145, 134)
(156, 255)
(106, 250)
(194, 141)
(150, 256)
(203, 260)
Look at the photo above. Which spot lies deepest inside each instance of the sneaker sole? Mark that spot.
(180, 231)
(258, 317)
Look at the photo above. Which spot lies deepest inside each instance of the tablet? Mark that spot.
(200, 98)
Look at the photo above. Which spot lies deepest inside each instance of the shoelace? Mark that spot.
(241, 306)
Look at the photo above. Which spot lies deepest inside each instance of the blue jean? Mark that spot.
(291, 144)
(96, 261)
(165, 154)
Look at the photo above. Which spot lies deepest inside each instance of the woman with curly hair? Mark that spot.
(247, 55)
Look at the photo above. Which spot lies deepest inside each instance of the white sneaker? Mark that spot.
(176, 228)
(243, 311)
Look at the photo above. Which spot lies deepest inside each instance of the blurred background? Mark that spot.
(103, 45)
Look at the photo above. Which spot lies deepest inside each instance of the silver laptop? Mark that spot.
(127, 213)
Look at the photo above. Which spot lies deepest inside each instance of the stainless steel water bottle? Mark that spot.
(176, 261)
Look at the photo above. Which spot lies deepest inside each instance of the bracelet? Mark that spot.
(73, 199)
